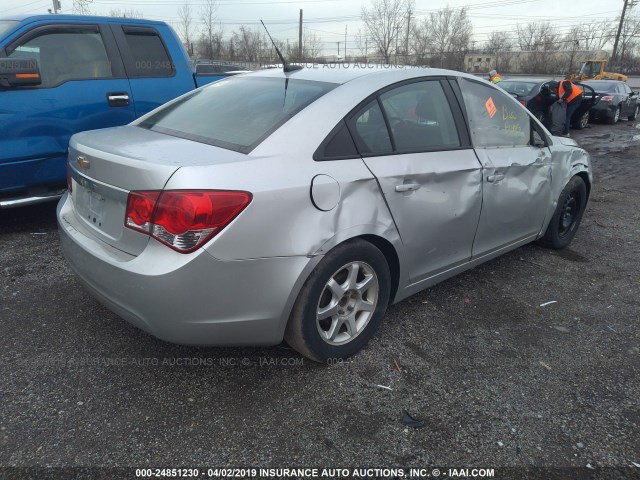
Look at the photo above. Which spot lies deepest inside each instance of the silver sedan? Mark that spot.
(299, 205)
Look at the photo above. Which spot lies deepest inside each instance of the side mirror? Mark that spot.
(633, 93)
(19, 72)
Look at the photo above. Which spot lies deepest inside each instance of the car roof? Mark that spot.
(79, 19)
(527, 79)
(343, 73)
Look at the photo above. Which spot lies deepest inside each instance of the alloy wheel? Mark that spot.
(347, 303)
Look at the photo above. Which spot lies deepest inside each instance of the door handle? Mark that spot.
(495, 178)
(118, 99)
(407, 187)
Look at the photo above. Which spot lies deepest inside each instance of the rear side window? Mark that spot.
(237, 113)
(370, 131)
(69, 54)
(150, 57)
(495, 118)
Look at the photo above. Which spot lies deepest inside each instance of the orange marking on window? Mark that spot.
(491, 107)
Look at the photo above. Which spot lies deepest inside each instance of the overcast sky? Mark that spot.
(328, 18)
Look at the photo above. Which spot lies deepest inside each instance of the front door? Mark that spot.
(79, 91)
(516, 173)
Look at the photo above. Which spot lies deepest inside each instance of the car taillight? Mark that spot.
(184, 219)
(69, 179)
(523, 103)
(607, 98)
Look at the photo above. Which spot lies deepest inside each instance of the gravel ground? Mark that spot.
(498, 379)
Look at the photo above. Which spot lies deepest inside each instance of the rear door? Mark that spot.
(516, 174)
(83, 88)
(154, 75)
(413, 139)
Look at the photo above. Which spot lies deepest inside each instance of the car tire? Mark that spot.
(582, 123)
(616, 116)
(328, 320)
(636, 112)
(567, 216)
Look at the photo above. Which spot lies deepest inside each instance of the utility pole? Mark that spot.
(366, 50)
(406, 41)
(627, 4)
(397, 35)
(300, 49)
(345, 43)
(338, 50)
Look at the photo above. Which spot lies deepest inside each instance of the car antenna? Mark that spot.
(285, 65)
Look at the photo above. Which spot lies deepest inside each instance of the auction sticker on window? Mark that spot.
(491, 107)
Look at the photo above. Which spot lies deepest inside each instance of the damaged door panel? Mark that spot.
(435, 200)
(516, 170)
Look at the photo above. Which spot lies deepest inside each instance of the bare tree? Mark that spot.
(185, 25)
(571, 45)
(126, 13)
(211, 37)
(595, 35)
(312, 45)
(500, 45)
(447, 34)
(248, 43)
(81, 7)
(384, 21)
(540, 40)
(629, 41)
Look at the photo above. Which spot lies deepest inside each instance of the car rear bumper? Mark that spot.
(602, 111)
(191, 299)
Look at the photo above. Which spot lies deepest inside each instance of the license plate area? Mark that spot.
(96, 208)
(99, 206)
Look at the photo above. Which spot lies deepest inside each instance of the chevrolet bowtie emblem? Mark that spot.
(83, 163)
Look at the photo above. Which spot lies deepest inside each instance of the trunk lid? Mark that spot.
(107, 164)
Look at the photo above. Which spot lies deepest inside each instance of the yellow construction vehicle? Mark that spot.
(594, 70)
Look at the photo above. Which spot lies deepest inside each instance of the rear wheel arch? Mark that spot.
(393, 261)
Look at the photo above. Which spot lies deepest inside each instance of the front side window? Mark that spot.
(420, 117)
(495, 118)
(66, 55)
(236, 113)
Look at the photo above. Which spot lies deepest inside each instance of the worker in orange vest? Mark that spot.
(572, 95)
(494, 77)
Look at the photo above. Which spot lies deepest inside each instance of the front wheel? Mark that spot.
(566, 219)
(341, 304)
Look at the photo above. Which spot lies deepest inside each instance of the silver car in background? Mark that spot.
(298, 205)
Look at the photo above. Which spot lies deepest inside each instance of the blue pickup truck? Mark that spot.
(62, 74)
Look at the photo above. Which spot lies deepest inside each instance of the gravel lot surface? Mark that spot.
(498, 379)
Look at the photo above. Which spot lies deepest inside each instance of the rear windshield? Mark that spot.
(6, 25)
(517, 88)
(237, 113)
(602, 86)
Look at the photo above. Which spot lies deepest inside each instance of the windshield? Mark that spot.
(602, 86)
(6, 25)
(586, 69)
(518, 88)
(236, 113)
